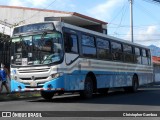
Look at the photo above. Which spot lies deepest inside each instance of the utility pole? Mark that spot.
(131, 19)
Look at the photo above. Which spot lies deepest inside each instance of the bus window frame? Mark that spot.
(144, 57)
(95, 47)
(138, 55)
(108, 50)
(125, 53)
(149, 57)
(116, 53)
(72, 46)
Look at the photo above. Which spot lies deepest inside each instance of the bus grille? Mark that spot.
(34, 87)
(33, 70)
(39, 85)
(36, 78)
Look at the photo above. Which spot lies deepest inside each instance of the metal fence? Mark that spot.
(5, 47)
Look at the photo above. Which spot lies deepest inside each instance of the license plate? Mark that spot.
(33, 84)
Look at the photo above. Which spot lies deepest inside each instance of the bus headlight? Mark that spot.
(56, 75)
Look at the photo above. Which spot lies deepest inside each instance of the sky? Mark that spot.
(116, 13)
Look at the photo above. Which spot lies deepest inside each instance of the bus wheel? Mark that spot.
(47, 95)
(135, 85)
(88, 88)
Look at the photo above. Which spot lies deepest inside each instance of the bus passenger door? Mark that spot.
(71, 48)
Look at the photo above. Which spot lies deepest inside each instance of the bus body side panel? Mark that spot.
(108, 75)
(113, 79)
(145, 78)
(75, 81)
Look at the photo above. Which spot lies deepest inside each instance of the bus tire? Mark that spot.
(135, 85)
(47, 95)
(88, 88)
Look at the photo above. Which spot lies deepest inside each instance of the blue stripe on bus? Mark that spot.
(75, 81)
(55, 83)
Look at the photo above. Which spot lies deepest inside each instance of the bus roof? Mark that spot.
(102, 35)
(77, 28)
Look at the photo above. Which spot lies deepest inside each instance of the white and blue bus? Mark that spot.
(56, 57)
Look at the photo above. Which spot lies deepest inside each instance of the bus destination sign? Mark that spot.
(38, 27)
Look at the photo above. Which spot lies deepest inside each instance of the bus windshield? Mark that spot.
(37, 49)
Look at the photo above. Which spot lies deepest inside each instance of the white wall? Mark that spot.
(14, 16)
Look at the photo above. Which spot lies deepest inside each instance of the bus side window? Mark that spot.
(103, 49)
(148, 57)
(88, 46)
(116, 51)
(128, 53)
(144, 57)
(138, 55)
(71, 43)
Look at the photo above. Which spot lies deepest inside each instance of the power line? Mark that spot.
(150, 40)
(5, 23)
(135, 26)
(117, 14)
(140, 40)
(123, 14)
(138, 34)
(148, 12)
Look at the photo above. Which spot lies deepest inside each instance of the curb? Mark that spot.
(16, 96)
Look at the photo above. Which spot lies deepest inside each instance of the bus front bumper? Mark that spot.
(50, 86)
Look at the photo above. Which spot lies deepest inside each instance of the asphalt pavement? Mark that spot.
(16, 96)
(146, 99)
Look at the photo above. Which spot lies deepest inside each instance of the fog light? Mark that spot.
(56, 75)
